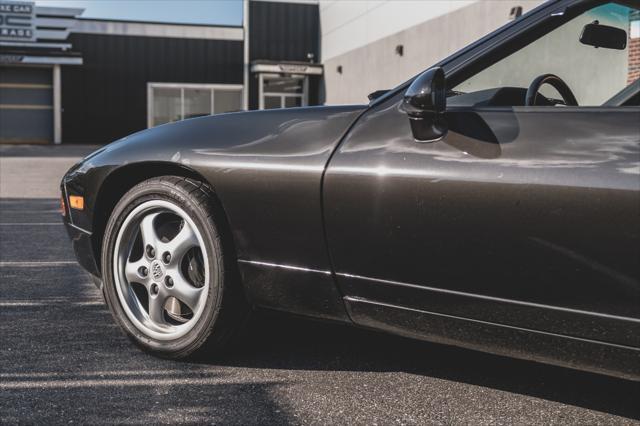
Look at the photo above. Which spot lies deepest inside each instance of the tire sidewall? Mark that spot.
(157, 189)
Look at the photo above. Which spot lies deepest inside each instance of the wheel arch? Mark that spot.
(122, 179)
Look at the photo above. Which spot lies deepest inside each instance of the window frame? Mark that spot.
(212, 87)
(262, 94)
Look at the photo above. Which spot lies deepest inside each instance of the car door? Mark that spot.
(522, 216)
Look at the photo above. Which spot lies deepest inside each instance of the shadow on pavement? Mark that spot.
(275, 341)
(146, 400)
(63, 360)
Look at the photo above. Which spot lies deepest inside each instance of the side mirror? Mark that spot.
(425, 103)
(604, 36)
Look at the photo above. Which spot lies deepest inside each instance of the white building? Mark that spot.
(368, 45)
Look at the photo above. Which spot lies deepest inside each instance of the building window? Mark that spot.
(169, 102)
(283, 91)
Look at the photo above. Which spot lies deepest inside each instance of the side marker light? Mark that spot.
(76, 202)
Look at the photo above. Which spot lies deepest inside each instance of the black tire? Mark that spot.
(225, 306)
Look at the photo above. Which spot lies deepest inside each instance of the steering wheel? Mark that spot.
(555, 81)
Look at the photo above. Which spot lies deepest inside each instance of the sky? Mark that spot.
(221, 12)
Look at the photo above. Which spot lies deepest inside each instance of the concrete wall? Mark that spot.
(349, 24)
(354, 36)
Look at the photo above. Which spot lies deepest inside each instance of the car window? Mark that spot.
(593, 74)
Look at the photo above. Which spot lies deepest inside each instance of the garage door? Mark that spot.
(26, 105)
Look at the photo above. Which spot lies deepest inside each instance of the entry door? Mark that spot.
(283, 91)
(26, 105)
(526, 217)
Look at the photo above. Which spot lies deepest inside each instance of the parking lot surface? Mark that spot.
(62, 359)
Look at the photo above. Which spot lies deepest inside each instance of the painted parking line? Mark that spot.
(27, 203)
(146, 382)
(27, 303)
(30, 223)
(37, 264)
(65, 375)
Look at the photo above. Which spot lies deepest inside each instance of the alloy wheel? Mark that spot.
(161, 270)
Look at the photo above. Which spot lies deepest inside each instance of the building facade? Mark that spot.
(67, 79)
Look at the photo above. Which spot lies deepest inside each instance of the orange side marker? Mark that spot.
(76, 202)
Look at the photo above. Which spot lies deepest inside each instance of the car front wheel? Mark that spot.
(167, 280)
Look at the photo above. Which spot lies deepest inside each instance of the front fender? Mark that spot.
(266, 168)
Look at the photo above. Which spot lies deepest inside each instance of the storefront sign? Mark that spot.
(293, 68)
(17, 21)
(11, 59)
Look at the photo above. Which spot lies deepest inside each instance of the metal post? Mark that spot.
(57, 105)
(245, 27)
(260, 91)
(150, 110)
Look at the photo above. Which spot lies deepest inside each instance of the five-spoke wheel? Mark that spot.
(168, 268)
(160, 269)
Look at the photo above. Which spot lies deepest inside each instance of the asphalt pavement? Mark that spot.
(62, 359)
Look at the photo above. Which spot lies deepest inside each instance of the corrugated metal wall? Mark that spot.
(283, 32)
(106, 98)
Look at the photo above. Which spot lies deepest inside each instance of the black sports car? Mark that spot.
(492, 202)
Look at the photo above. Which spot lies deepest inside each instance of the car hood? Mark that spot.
(286, 133)
(221, 149)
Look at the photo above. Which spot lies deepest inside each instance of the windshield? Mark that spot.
(594, 74)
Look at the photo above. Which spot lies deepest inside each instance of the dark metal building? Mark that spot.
(284, 38)
(75, 80)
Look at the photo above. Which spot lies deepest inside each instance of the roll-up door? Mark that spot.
(26, 105)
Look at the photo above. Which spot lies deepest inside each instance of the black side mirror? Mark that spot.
(604, 36)
(425, 103)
